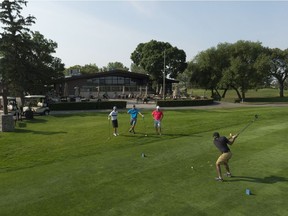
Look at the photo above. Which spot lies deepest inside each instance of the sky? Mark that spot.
(99, 32)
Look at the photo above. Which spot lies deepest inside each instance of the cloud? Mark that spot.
(144, 8)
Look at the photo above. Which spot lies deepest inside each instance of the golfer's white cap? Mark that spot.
(157, 107)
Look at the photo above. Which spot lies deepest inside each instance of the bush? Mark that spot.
(87, 105)
(177, 103)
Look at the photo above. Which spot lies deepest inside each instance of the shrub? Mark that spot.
(87, 105)
(176, 103)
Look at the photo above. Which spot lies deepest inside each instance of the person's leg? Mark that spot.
(227, 158)
(227, 167)
(133, 125)
(116, 127)
(155, 126)
(218, 167)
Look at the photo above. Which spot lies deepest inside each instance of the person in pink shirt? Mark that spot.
(157, 116)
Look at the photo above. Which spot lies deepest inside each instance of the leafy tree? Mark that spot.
(243, 72)
(14, 41)
(44, 69)
(278, 67)
(75, 67)
(89, 69)
(114, 66)
(86, 69)
(27, 63)
(238, 66)
(207, 68)
(137, 69)
(185, 79)
(151, 56)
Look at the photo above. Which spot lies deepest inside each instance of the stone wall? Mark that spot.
(7, 123)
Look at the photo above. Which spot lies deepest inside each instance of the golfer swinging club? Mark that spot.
(222, 144)
(133, 113)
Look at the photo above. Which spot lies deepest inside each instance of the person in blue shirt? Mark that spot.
(133, 118)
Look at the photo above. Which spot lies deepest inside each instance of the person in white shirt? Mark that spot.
(113, 116)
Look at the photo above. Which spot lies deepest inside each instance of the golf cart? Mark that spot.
(37, 104)
(13, 108)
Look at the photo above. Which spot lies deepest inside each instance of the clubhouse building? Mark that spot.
(116, 84)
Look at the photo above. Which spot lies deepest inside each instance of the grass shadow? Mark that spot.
(39, 132)
(266, 180)
(36, 120)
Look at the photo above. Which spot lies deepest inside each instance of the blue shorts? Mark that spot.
(157, 123)
(133, 121)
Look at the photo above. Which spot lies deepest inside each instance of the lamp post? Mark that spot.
(164, 74)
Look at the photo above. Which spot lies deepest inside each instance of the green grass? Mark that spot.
(267, 95)
(71, 165)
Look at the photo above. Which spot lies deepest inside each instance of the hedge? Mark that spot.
(177, 103)
(87, 105)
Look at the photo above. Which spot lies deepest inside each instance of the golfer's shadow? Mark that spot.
(267, 180)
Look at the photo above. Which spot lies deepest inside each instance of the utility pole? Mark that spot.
(164, 75)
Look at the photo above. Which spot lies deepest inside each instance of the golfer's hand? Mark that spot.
(142, 116)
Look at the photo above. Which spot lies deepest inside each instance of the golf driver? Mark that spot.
(243, 129)
(109, 132)
(145, 127)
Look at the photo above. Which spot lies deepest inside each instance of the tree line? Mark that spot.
(28, 66)
(240, 66)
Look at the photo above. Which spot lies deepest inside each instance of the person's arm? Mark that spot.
(232, 139)
(141, 114)
(162, 116)
(109, 116)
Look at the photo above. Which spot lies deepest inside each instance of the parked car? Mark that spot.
(37, 104)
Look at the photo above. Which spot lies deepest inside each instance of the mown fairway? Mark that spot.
(71, 165)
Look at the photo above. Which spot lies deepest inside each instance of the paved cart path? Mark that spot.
(152, 105)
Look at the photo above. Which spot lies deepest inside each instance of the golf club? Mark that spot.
(243, 129)
(109, 135)
(145, 129)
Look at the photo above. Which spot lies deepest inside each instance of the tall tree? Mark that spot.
(44, 69)
(243, 72)
(27, 60)
(152, 55)
(278, 67)
(238, 66)
(137, 69)
(13, 43)
(207, 68)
